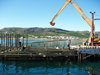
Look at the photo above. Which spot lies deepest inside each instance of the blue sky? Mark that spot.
(38, 13)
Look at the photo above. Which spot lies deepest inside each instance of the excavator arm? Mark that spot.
(83, 16)
(66, 3)
(79, 10)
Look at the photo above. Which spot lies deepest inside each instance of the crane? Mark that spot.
(81, 13)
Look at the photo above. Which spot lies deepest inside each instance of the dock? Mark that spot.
(15, 51)
(39, 54)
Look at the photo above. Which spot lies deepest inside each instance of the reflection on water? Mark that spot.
(49, 67)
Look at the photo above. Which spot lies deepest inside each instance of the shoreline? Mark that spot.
(47, 39)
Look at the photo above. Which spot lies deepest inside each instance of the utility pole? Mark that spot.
(93, 27)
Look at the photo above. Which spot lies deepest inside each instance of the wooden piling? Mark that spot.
(1, 41)
(79, 56)
(23, 39)
(44, 44)
(8, 42)
(4, 42)
(31, 44)
(0, 46)
(12, 41)
(26, 40)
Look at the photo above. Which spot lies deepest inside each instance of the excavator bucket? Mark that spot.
(52, 23)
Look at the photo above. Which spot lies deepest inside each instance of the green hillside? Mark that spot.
(47, 31)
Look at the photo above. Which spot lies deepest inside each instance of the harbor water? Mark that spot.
(8, 67)
(49, 44)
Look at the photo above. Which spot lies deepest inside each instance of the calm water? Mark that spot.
(51, 44)
(49, 67)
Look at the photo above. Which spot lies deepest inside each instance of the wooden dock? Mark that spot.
(11, 49)
(43, 53)
(89, 51)
(33, 53)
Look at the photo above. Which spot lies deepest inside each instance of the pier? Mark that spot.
(10, 49)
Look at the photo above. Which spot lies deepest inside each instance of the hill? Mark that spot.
(47, 31)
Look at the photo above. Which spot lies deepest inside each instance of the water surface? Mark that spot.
(40, 43)
(49, 67)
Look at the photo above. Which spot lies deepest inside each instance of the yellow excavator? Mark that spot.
(81, 13)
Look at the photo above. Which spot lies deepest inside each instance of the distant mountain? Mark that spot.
(13, 29)
(47, 31)
(34, 30)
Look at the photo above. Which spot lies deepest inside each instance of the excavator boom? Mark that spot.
(79, 10)
(59, 12)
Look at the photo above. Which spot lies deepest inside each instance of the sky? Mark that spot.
(39, 13)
